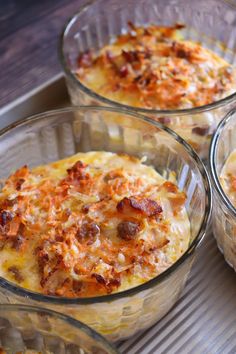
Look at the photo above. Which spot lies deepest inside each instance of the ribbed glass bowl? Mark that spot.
(54, 135)
(210, 22)
(224, 213)
(34, 330)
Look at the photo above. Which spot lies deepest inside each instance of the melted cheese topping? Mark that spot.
(228, 177)
(91, 224)
(155, 68)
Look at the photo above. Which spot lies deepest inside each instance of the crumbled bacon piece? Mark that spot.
(19, 183)
(127, 230)
(179, 26)
(124, 71)
(131, 26)
(130, 56)
(5, 217)
(77, 171)
(85, 59)
(18, 178)
(78, 178)
(109, 284)
(77, 286)
(100, 279)
(141, 205)
(88, 230)
(16, 273)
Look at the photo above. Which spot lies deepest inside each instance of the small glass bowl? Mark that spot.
(54, 135)
(36, 330)
(210, 22)
(224, 213)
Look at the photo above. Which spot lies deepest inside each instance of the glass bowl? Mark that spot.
(54, 135)
(224, 213)
(211, 22)
(29, 329)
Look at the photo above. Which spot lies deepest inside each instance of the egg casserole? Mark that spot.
(228, 177)
(92, 224)
(155, 68)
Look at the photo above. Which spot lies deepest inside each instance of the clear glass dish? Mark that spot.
(211, 22)
(29, 329)
(54, 135)
(224, 213)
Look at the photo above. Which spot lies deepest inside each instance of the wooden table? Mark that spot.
(29, 34)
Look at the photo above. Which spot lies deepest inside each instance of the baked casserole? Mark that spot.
(92, 224)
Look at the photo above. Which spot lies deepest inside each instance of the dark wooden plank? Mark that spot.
(29, 33)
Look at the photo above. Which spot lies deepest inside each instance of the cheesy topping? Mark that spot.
(228, 177)
(155, 68)
(91, 224)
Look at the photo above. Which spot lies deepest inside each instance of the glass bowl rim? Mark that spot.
(78, 325)
(106, 101)
(20, 291)
(212, 157)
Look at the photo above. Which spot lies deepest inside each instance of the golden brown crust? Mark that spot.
(158, 69)
(87, 229)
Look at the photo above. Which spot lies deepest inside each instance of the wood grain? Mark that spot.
(29, 34)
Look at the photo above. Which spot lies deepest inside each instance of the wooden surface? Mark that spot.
(29, 34)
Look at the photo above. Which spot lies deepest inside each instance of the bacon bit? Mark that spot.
(59, 238)
(112, 283)
(180, 51)
(131, 26)
(144, 206)
(127, 230)
(18, 178)
(99, 278)
(179, 26)
(109, 284)
(78, 178)
(146, 32)
(5, 217)
(124, 71)
(146, 80)
(77, 286)
(16, 273)
(202, 131)
(77, 171)
(88, 230)
(85, 208)
(85, 60)
(130, 56)
(19, 183)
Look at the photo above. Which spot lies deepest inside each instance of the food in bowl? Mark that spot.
(228, 177)
(156, 68)
(92, 224)
(55, 135)
(223, 173)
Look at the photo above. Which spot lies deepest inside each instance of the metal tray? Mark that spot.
(204, 319)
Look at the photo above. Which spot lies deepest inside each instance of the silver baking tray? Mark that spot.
(204, 319)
